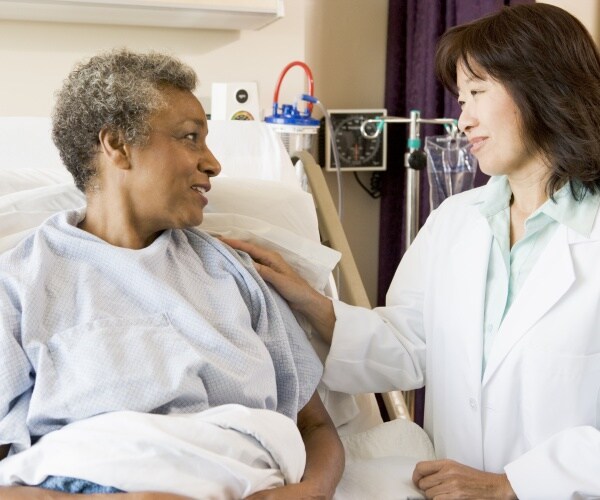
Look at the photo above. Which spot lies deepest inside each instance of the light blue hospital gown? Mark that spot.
(178, 327)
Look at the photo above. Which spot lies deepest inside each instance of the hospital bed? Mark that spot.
(257, 197)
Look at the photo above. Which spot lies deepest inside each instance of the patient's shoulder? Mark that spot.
(27, 250)
(203, 241)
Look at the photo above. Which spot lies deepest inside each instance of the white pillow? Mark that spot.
(310, 259)
(250, 149)
(14, 180)
(283, 205)
(276, 216)
(49, 198)
(22, 211)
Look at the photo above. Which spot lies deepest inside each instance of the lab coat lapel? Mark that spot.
(544, 286)
(470, 261)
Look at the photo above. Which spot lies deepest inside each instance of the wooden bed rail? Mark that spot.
(332, 232)
(332, 235)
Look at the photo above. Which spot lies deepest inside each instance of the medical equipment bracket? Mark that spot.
(414, 161)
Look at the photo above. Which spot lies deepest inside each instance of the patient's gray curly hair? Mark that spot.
(119, 89)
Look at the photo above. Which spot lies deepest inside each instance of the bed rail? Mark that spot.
(332, 235)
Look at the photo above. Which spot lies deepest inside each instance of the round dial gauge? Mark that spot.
(355, 151)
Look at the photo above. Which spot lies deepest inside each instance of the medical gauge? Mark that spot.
(356, 152)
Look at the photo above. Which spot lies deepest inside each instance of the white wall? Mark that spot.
(346, 47)
(35, 57)
(587, 11)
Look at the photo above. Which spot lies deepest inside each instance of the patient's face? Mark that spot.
(171, 172)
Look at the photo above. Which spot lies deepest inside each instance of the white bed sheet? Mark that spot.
(258, 197)
(223, 453)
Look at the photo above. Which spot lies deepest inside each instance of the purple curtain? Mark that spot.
(414, 27)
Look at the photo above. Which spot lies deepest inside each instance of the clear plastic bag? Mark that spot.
(451, 167)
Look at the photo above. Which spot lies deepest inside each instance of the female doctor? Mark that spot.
(496, 305)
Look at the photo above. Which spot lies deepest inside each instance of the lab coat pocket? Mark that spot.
(560, 391)
(120, 364)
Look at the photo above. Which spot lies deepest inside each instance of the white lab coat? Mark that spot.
(535, 413)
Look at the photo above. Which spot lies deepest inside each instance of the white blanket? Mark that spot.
(380, 462)
(223, 453)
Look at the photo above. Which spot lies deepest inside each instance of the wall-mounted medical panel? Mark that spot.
(199, 14)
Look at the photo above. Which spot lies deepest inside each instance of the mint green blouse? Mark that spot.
(508, 268)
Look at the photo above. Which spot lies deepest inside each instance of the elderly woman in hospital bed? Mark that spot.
(120, 323)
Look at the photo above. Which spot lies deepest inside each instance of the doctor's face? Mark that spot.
(174, 167)
(491, 122)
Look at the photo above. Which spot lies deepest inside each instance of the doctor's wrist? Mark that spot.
(318, 310)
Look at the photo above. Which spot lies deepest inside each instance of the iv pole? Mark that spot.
(414, 161)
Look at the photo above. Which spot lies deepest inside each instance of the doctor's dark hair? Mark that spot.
(550, 66)
(119, 90)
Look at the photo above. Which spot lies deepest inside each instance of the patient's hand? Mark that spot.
(299, 294)
(32, 493)
(291, 491)
(143, 496)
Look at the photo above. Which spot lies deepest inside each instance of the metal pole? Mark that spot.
(413, 182)
(412, 188)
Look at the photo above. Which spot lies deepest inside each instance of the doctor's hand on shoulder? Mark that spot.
(301, 297)
(450, 479)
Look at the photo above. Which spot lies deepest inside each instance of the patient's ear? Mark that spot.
(114, 148)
